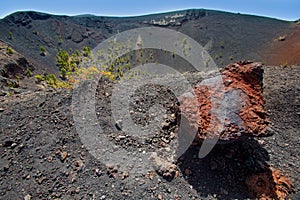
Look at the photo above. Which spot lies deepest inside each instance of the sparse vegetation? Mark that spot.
(88, 73)
(39, 78)
(29, 72)
(43, 50)
(51, 80)
(65, 63)
(11, 84)
(207, 61)
(10, 35)
(70, 68)
(9, 51)
(60, 40)
(86, 51)
(114, 66)
(18, 78)
(222, 44)
(35, 32)
(186, 47)
(184, 41)
(222, 62)
(231, 57)
(151, 55)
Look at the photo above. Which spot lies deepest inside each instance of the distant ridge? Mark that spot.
(244, 36)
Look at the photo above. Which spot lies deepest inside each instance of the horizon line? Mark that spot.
(146, 14)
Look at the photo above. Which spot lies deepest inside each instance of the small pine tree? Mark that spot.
(43, 51)
(86, 51)
(10, 35)
(9, 51)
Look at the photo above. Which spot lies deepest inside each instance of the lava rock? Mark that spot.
(231, 102)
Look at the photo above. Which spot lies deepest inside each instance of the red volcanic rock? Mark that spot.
(230, 105)
(272, 184)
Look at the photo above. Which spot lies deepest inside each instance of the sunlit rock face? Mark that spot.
(229, 106)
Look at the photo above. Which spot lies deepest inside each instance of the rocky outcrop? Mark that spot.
(15, 71)
(230, 106)
(177, 19)
(12, 63)
(19, 67)
(273, 184)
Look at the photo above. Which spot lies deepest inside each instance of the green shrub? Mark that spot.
(40, 77)
(43, 49)
(11, 84)
(222, 44)
(63, 73)
(78, 54)
(62, 58)
(60, 40)
(217, 56)
(18, 78)
(35, 32)
(222, 61)
(86, 51)
(10, 35)
(69, 64)
(9, 51)
(53, 81)
(28, 72)
(151, 55)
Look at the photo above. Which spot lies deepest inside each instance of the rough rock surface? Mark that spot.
(230, 105)
(16, 71)
(274, 185)
(43, 157)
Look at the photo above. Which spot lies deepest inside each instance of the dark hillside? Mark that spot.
(235, 36)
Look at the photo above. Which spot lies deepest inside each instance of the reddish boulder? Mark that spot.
(230, 105)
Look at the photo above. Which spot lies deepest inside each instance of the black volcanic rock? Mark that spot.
(24, 18)
(234, 36)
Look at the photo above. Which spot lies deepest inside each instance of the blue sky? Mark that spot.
(281, 9)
